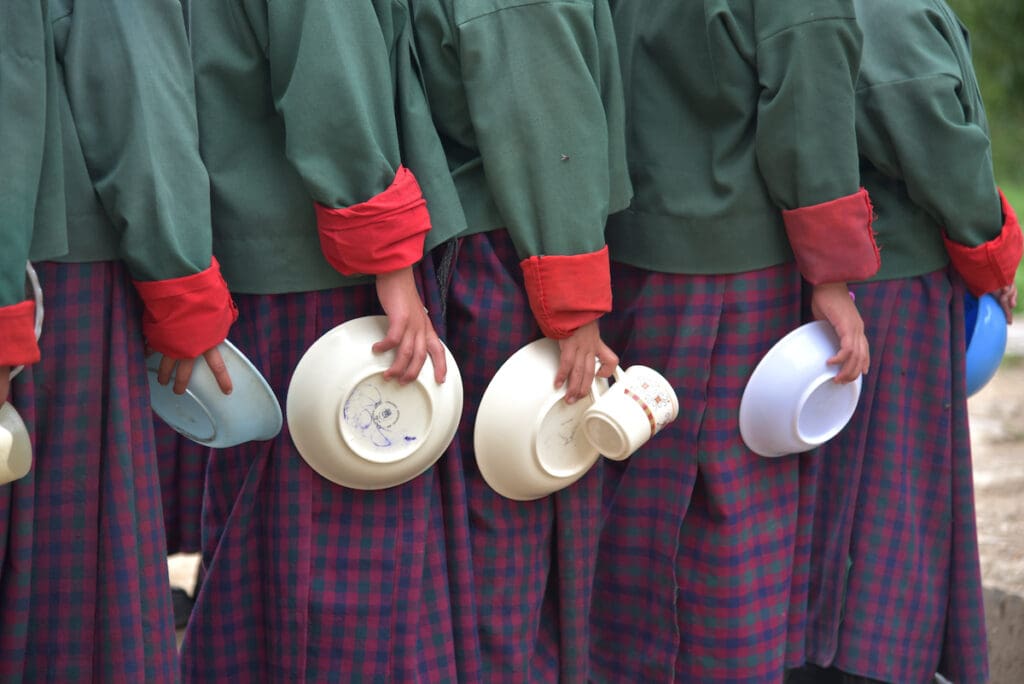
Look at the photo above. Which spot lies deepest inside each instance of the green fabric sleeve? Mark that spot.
(421, 147)
(22, 137)
(331, 82)
(129, 84)
(916, 131)
(532, 74)
(806, 137)
(921, 120)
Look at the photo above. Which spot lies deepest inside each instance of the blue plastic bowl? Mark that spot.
(986, 339)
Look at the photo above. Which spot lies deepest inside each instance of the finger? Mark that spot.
(847, 372)
(565, 365)
(5, 382)
(165, 370)
(419, 357)
(852, 366)
(847, 360)
(394, 336)
(572, 383)
(437, 358)
(840, 357)
(609, 361)
(219, 369)
(580, 377)
(404, 357)
(183, 375)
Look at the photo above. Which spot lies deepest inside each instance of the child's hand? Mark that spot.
(832, 302)
(1007, 297)
(410, 332)
(180, 371)
(577, 368)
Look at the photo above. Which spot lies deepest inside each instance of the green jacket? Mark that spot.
(527, 98)
(304, 102)
(31, 191)
(736, 110)
(135, 186)
(923, 135)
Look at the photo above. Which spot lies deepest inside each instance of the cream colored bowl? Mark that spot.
(791, 403)
(359, 430)
(528, 442)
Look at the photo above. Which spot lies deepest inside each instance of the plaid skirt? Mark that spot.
(182, 471)
(84, 592)
(532, 561)
(896, 588)
(305, 580)
(700, 541)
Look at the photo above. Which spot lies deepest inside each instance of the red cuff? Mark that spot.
(187, 316)
(383, 234)
(18, 346)
(567, 292)
(991, 265)
(833, 241)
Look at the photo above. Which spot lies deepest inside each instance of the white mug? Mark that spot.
(15, 449)
(634, 409)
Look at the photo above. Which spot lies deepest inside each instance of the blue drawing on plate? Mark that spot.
(374, 417)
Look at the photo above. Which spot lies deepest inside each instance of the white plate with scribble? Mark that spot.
(359, 430)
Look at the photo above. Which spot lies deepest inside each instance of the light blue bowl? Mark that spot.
(986, 339)
(205, 415)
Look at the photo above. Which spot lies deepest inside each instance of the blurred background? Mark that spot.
(996, 27)
(997, 411)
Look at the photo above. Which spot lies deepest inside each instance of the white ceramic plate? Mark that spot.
(359, 430)
(791, 404)
(528, 442)
(206, 415)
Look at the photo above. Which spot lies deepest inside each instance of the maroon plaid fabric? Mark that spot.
(182, 470)
(533, 561)
(894, 526)
(307, 581)
(84, 585)
(697, 552)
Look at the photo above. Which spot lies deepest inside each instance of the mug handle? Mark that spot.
(618, 374)
(37, 294)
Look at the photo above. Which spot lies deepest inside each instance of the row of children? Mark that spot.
(667, 181)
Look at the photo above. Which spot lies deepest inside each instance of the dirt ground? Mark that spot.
(997, 436)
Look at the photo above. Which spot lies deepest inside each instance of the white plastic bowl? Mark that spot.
(15, 446)
(359, 430)
(528, 442)
(791, 403)
(209, 417)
